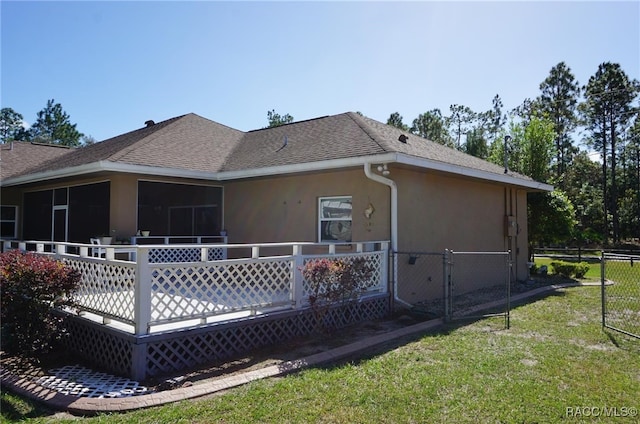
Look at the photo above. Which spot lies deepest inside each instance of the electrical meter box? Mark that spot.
(510, 226)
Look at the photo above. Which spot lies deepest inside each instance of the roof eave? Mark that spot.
(104, 166)
(472, 173)
(389, 157)
(322, 165)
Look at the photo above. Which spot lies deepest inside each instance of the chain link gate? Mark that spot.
(621, 293)
(421, 282)
(479, 281)
(455, 285)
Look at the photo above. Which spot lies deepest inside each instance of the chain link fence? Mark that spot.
(479, 285)
(421, 281)
(455, 285)
(621, 293)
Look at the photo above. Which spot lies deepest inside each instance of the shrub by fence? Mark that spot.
(570, 269)
(31, 285)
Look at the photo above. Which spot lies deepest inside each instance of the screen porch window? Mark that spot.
(8, 222)
(335, 217)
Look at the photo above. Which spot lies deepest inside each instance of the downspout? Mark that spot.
(394, 222)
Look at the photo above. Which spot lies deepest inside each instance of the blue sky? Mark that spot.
(114, 65)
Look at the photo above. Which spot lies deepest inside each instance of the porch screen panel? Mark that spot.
(37, 215)
(89, 211)
(179, 209)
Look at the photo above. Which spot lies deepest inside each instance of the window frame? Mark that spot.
(322, 219)
(14, 221)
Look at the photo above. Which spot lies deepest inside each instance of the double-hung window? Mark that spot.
(335, 218)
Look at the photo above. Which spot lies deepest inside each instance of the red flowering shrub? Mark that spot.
(30, 285)
(334, 281)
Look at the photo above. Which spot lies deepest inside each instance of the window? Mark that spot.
(335, 219)
(8, 222)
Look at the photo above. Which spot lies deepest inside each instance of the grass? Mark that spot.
(555, 356)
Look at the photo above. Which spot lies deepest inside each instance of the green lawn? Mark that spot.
(554, 359)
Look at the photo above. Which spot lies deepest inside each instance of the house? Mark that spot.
(343, 177)
(340, 181)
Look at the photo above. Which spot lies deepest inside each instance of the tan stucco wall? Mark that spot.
(436, 211)
(285, 209)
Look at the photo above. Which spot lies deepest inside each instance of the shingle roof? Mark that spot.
(192, 143)
(327, 138)
(19, 157)
(341, 136)
(184, 142)
(422, 148)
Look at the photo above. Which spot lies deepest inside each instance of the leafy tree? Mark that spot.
(10, 124)
(558, 102)
(514, 149)
(538, 147)
(459, 123)
(476, 143)
(431, 125)
(551, 218)
(583, 182)
(275, 119)
(529, 148)
(53, 126)
(395, 120)
(607, 110)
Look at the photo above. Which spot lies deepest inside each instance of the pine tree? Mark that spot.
(607, 109)
(558, 102)
(53, 126)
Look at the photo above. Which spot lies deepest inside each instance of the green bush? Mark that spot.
(570, 269)
(31, 285)
(581, 269)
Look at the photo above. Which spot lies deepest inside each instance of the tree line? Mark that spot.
(594, 201)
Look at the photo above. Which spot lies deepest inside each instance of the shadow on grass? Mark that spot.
(442, 329)
(18, 409)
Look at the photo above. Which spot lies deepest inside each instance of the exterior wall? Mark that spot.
(285, 209)
(123, 198)
(438, 212)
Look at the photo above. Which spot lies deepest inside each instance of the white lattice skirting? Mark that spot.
(142, 357)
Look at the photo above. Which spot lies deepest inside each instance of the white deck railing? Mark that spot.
(149, 288)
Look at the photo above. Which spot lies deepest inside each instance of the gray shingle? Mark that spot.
(190, 142)
(19, 157)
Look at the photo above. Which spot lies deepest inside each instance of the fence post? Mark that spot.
(298, 280)
(446, 272)
(603, 299)
(142, 293)
(384, 266)
(509, 272)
